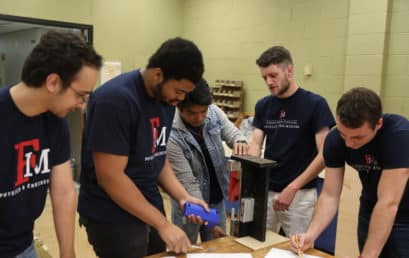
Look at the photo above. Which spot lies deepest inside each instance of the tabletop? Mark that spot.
(228, 245)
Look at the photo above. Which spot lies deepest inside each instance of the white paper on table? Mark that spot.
(219, 255)
(280, 253)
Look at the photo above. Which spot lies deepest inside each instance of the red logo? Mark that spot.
(27, 164)
(158, 139)
(282, 113)
(369, 159)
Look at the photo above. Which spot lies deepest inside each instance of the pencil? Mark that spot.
(297, 241)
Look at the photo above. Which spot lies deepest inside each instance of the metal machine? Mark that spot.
(254, 180)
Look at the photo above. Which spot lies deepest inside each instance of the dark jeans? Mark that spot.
(130, 240)
(397, 245)
(29, 252)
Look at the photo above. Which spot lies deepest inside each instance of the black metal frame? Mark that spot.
(254, 181)
(53, 23)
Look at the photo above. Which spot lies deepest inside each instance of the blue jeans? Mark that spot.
(30, 252)
(191, 229)
(397, 244)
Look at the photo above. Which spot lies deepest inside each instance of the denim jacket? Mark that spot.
(187, 159)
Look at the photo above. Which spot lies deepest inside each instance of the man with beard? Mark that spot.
(129, 119)
(295, 123)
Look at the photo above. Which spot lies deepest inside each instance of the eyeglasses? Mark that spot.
(83, 96)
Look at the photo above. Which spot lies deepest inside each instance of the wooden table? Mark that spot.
(228, 245)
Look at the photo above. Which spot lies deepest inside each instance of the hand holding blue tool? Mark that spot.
(212, 217)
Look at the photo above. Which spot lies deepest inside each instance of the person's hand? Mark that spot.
(191, 218)
(217, 232)
(174, 238)
(301, 242)
(284, 199)
(240, 148)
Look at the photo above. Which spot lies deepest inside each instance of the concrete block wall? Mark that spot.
(347, 43)
(130, 31)
(233, 33)
(78, 11)
(366, 44)
(395, 93)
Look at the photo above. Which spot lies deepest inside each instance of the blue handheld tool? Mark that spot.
(212, 217)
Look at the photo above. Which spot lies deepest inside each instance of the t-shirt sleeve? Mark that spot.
(61, 150)
(322, 116)
(257, 121)
(396, 150)
(109, 127)
(334, 150)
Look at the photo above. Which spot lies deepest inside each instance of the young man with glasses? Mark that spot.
(83, 96)
(34, 143)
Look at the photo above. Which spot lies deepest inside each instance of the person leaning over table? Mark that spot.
(124, 162)
(195, 151)
(376, 145)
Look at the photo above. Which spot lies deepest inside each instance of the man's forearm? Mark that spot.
(380, 227)
(127, 195)
(324, 212)
(64, 207)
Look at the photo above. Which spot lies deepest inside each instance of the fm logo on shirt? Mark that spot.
(282, 114)
(369, 159)
(368, 165)
(158, 140)
(27, 165)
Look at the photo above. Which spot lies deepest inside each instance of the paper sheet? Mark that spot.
(272, 238)
(220, 255)
(280, 253)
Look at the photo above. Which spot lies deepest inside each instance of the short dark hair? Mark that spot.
(199, 96)
(58, 52)
(357, 106)
(179, 59)
(275, 55)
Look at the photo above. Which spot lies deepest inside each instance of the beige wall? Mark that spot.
(347, 43)
(130, 30)
(395, 91)
(124, 30)
(233, 33)
(366, 44)
(78, 11)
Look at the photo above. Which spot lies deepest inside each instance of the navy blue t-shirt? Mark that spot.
(290, 126)
(389, 149)
(29, 148)
(123, 119)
